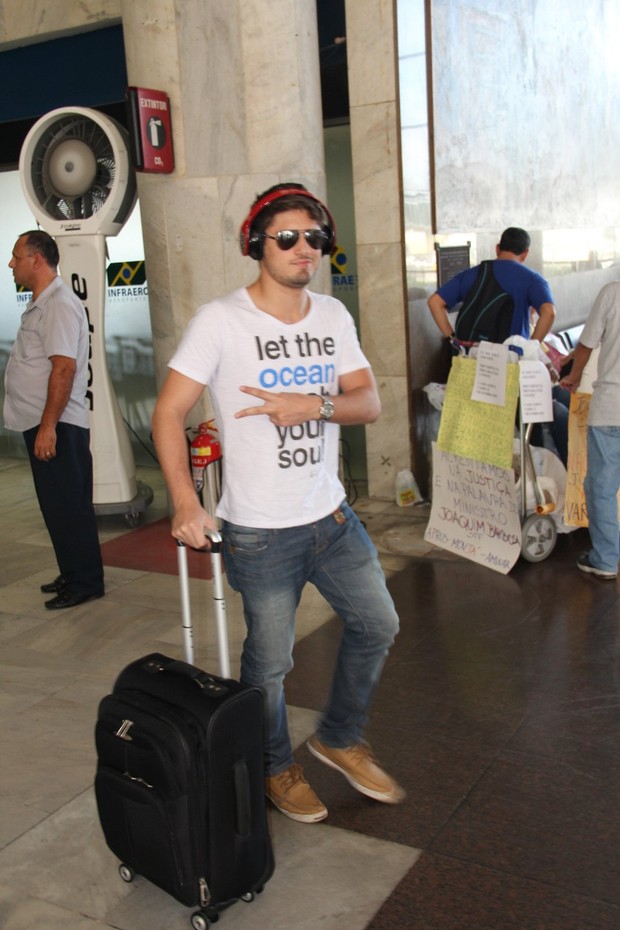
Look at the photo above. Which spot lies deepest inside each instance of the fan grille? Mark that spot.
(57, 204)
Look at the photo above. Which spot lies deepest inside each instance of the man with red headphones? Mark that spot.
(284, 368)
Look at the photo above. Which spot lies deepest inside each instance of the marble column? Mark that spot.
(244, 85)
(375, 142)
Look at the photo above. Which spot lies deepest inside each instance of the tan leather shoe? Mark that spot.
(292, 795)
(361, 769)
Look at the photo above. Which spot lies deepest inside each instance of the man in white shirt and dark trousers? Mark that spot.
(602, 481)
(284, 368)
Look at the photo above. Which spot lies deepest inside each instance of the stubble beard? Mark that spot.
(294, 276)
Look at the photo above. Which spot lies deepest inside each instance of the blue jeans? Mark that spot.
(270, 568)
(601, 486)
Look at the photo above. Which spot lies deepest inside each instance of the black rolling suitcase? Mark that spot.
(180, 782)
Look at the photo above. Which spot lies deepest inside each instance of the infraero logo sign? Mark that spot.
(340, 277)
(23, 296)
(121, 274)
(338, 261)
(127, 279)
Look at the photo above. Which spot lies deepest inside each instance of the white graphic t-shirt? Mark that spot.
(273, 476)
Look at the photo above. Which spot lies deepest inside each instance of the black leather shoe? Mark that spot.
(66, 599)
(55, 586)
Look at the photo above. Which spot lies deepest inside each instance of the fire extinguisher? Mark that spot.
(204, 449)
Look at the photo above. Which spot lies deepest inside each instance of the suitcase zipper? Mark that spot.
(205, 894)
(139, 781)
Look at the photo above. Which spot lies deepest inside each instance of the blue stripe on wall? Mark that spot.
(87, 69)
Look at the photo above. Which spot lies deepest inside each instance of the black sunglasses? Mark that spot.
(286, 238)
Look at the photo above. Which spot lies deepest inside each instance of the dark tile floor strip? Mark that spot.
(499, 711)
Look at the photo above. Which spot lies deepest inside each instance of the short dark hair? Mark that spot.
(40, 241)
(515, 240)
(288, 202)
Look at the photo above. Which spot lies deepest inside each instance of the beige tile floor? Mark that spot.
(55, 870)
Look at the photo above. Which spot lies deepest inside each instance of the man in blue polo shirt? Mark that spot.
(526, 287)
(524, 290)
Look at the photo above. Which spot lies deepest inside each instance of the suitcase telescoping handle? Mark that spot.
(218, 600)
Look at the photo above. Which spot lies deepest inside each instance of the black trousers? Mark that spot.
(64, 488)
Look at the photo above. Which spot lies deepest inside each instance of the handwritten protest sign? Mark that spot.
(575, 510)
(474, 511)
(473, 428)
(575, 513)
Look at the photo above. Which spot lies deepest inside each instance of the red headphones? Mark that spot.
(252, 244)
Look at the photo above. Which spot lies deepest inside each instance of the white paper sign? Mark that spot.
(490, 380)
(475, 511)
(535, 391)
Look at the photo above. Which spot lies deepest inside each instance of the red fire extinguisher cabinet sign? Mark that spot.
(151, 130)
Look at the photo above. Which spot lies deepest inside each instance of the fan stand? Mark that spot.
(76, 175)
(115, 488)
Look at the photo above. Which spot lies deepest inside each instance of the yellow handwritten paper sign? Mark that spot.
(473, 428)
(474, 511)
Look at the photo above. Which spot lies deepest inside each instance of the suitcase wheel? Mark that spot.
(248, 897)
(126, 872)
(200, 921)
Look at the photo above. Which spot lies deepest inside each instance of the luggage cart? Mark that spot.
(538, 528)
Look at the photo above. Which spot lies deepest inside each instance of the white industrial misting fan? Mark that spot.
(77, 178)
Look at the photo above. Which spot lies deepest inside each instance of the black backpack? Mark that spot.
(486, 313)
